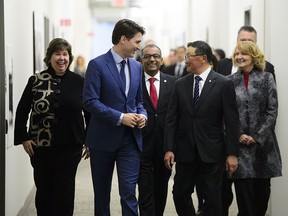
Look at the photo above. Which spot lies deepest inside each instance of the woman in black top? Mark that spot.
(55, 136)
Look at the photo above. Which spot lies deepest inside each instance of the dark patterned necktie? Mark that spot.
(196, 90)
(153, 92)
(122, 73)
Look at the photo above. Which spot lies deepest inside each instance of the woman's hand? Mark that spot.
(246, 139)
(28, 147)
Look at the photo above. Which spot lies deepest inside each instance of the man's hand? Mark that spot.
(169, 160)
(231, 164)
(141, 121)
(130, 119)
(28, 147)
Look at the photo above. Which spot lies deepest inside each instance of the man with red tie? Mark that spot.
(154, 177)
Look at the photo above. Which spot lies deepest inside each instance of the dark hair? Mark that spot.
(214, 62)
(126, 27)
(247, 28)
(151, 46)
(221, 53)
(202, 48)
(58, 44)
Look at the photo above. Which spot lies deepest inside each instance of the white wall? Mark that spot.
(19, 49)
(19, 43)
(277, 40)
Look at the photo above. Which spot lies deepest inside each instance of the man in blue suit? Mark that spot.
(115, 102)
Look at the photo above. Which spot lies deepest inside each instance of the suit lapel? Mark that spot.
(133, 76)
(188, 90)
(162, 89)
(146, 95)
(209, 83)
(111, 65)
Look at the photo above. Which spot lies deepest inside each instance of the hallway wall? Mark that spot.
(19, 59)
(277, 29)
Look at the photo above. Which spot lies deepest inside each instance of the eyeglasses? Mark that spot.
(188, 57)
(155, 56)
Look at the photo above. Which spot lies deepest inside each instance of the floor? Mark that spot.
(84, 197)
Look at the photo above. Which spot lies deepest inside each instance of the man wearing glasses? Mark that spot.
(154, 177)
(201, 105)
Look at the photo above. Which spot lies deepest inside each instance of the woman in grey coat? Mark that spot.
(259, 157)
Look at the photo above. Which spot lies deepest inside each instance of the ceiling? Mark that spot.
(113, 10)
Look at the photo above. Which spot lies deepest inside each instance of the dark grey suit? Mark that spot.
(197, 138)
(154, 177)
(170, 70)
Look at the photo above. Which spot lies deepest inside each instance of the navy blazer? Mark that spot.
(104, 97)
(212, 126)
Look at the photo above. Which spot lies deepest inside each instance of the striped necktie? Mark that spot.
(196, 90)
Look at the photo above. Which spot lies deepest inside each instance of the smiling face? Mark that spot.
(60, 61)
(243, 60)
(130, 46)
(151, 60)
(193, 62)
(248, 56)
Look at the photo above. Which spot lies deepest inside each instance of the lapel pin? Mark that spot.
(165, 80)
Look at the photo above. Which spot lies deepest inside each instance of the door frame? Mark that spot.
(3, 122)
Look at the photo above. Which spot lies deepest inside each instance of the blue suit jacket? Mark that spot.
(104, 97)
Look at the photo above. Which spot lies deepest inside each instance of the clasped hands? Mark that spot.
(246, 139)
(134, 120)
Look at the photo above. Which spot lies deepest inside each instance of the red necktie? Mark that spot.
(153, 92)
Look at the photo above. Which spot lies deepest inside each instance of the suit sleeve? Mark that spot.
(139, 97)
(171, 121)
(22, 114)
(92, 95)
(270, 68)
(231, 119)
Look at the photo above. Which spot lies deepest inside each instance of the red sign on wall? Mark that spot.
(65, 22)
(118, 3)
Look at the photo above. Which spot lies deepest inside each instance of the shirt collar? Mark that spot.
(205, 74)
(117, 58)
(147, 76)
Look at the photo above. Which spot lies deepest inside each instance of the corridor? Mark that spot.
(84, 197)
